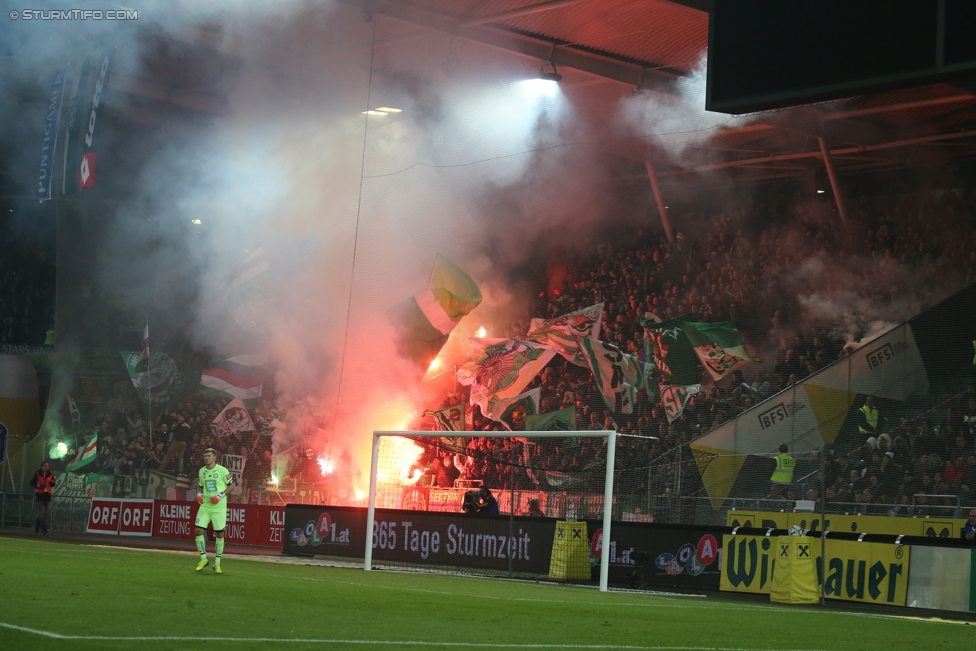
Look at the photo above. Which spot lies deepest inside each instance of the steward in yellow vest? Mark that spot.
(868, 415)
(784, 467)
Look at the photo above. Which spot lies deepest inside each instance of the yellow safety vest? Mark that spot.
(871, 416)
(784, 469)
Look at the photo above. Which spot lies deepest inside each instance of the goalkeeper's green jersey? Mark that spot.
(214, 481)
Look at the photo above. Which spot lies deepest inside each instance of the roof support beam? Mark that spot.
(834, 185)
(661, 208)
(968, 133)
(902, 106)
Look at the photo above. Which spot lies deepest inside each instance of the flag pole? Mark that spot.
(433, 268)
(149, 382)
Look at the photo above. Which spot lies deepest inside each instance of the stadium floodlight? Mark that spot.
(585, 502)
(546, 75)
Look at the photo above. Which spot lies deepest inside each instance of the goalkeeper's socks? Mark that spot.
(202, 546)
(220, 550)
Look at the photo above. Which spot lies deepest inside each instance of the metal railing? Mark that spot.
(673, 509)
(64, 514)
(16, 510)
(69, 514)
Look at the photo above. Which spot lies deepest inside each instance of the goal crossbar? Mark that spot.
(610, 435)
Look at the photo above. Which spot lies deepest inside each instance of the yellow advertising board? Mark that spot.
(856, 571)
(884, 524)
(747, 563)
(872, 572)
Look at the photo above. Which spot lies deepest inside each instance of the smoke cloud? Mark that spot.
(350, 209)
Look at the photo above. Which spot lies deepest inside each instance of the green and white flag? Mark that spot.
(673, 353)
(511, 411)
(157, 378)
(675, 399)
(85, 455)
(561, 331)
(423, 322)
(450, 418)
(718, 346)
(617, 374)
(504, 367)
(563, 420)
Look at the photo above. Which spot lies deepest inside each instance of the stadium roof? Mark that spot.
(652, 43)
(605, 49)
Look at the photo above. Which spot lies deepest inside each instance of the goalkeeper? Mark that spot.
(212, 497)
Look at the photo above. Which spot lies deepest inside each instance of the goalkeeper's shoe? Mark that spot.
(203, 563)
(217, 569)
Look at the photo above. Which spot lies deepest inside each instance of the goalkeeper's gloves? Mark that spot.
(199, 499)
(214, 499)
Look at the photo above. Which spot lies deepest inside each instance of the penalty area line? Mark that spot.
(478, 645)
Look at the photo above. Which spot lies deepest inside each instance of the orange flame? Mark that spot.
(397, 457)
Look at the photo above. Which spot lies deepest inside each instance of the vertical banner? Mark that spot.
(52, 120)
(73, 130)
(86, 168)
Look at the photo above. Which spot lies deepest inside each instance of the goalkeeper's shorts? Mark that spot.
(215, 514)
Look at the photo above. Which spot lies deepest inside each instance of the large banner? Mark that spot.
(86, 167)
(856, 571)
(52, 120)
(455, 539)
(147, 484)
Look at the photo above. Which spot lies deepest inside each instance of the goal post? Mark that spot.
(538, 438)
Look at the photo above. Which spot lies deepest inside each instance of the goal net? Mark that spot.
(528, 506)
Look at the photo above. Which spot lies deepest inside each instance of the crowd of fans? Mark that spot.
(801, 287)
(916, 466)
(175, 444)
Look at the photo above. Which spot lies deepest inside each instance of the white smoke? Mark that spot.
(352, 209)
(677, 120)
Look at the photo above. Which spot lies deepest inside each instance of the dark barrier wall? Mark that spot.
(663, 556)
(641, 555)
(423, 538)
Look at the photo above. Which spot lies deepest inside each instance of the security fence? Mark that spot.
(887, 430)
(64, 514)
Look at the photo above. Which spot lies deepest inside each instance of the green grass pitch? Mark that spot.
(71, 596)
